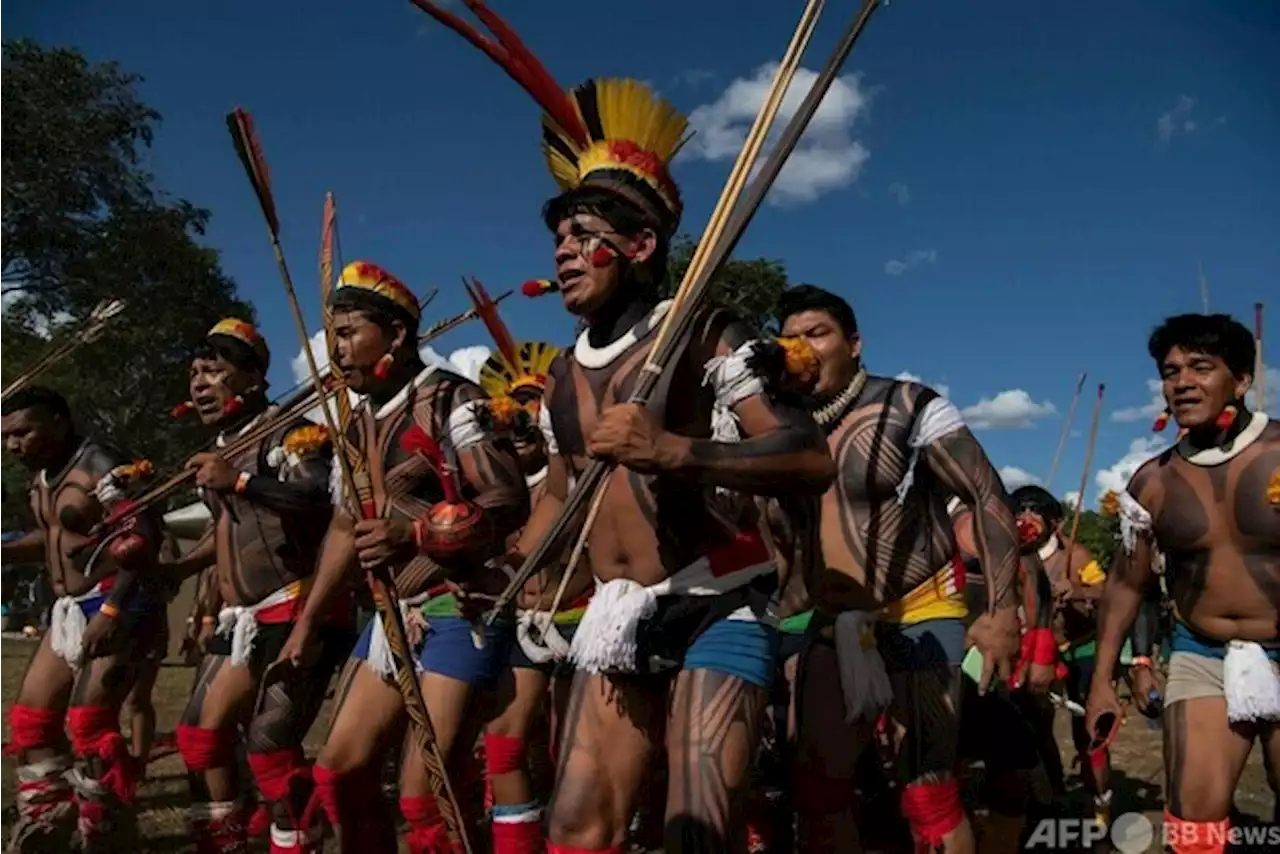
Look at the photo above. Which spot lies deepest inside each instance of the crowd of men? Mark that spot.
(784, 549)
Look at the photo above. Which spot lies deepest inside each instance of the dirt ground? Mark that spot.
(163, 797)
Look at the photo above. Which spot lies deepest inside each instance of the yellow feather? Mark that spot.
(498, 378)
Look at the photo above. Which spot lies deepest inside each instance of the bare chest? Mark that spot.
(1227, 505)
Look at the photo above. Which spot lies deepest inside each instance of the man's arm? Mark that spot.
(29, 548)
(200, 557)
(962, 467)
(1130, 574)
(1146, 624)
(337, 558)
(303, 484)
(489, 468)
(779, 449)
(1037, 592)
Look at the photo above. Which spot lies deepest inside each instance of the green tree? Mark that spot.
(1098, 533)
(84, 221)
(749, 288)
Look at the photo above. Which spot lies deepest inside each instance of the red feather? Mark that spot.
(416, 441)
(511, 55)
(240, 123)
(487, 309)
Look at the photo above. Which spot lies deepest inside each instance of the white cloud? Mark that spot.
(1071, 497)
(1014, 477)
(914, 258)
(1150, 409)
(1116, 477)
(901, 192)
(1272, 377)
(827, 157)
(941, 388)
(1177, 120)
(1012, 409)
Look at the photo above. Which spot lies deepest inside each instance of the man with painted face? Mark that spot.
(101, 632)
(1211, 505)
(439, 495)
(1077, 583)
(515, 378)
(678, 636)
(269, 507)
(889, 565)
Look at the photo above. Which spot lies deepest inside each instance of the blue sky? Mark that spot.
(1009, 193)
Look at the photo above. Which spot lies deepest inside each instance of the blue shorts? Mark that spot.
(921, 646)
(447, 650)
(745, 649)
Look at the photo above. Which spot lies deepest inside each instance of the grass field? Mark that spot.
(163, 797)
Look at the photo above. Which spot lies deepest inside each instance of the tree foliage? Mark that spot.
(84, 221)
(749, 288)
(1099, 533)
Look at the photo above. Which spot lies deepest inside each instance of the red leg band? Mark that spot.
(522, 837)
(276, 771)
(95, 734)
(427, 833)
(503, 754)
(203, 749)
(1098, 761)
(932, 809)
(354, 805)
(1196, 837)
(31, 727)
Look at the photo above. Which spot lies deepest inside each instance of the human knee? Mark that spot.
(35, 727)
(581, 824)
(277, 772)
(933, 809)
(205, 748)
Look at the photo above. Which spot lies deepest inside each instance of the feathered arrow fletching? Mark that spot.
(240, 123)
(487, 309)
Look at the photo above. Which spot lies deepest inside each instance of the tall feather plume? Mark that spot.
(487, 309)
(510, 54)
(240, 123)
(328, 238)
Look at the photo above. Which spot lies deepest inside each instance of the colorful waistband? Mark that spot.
(939, 597)
(1187, 639)
(796, 624)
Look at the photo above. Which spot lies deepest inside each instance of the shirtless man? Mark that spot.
(1204, 504)
(1003, 728)
(889, 560)
(102, 629)
(419, 429)
(269, 506)
(1077, 584)
(515, 379)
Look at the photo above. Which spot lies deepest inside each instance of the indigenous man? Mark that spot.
(269, 503)
(100, 634)
(684, 577)
(515, 379)
(1211, 505)
(889, 558)
(419, 432)
(1003, 727)
(1077, 583)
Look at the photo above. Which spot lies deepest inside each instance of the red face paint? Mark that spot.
(602, 256)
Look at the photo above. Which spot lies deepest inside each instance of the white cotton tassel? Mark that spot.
(67, 626)
(863, 677)
(380, 660)
(1251, 683)
(242, 626)
(276, 457)
(1134, 520)
(606, 638)
(732, 380)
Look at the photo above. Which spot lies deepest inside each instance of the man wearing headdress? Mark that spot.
(103, 626)
(267, 488)
(678, 637)
(1211, 506)
(439, 494)
(890, 569)
(515, 379)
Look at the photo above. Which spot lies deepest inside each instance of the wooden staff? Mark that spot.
(88, 332)
(1260, 364)
(1066, 430)
(1084, 478)
(240, 123)
(697, 278)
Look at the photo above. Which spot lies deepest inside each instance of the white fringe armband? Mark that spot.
(1134, 520)
(939, 418)
(548, 431)
(464, 425)
(733, 381)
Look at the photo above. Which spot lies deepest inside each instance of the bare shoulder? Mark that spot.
(1147, 483)
(99, 458)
